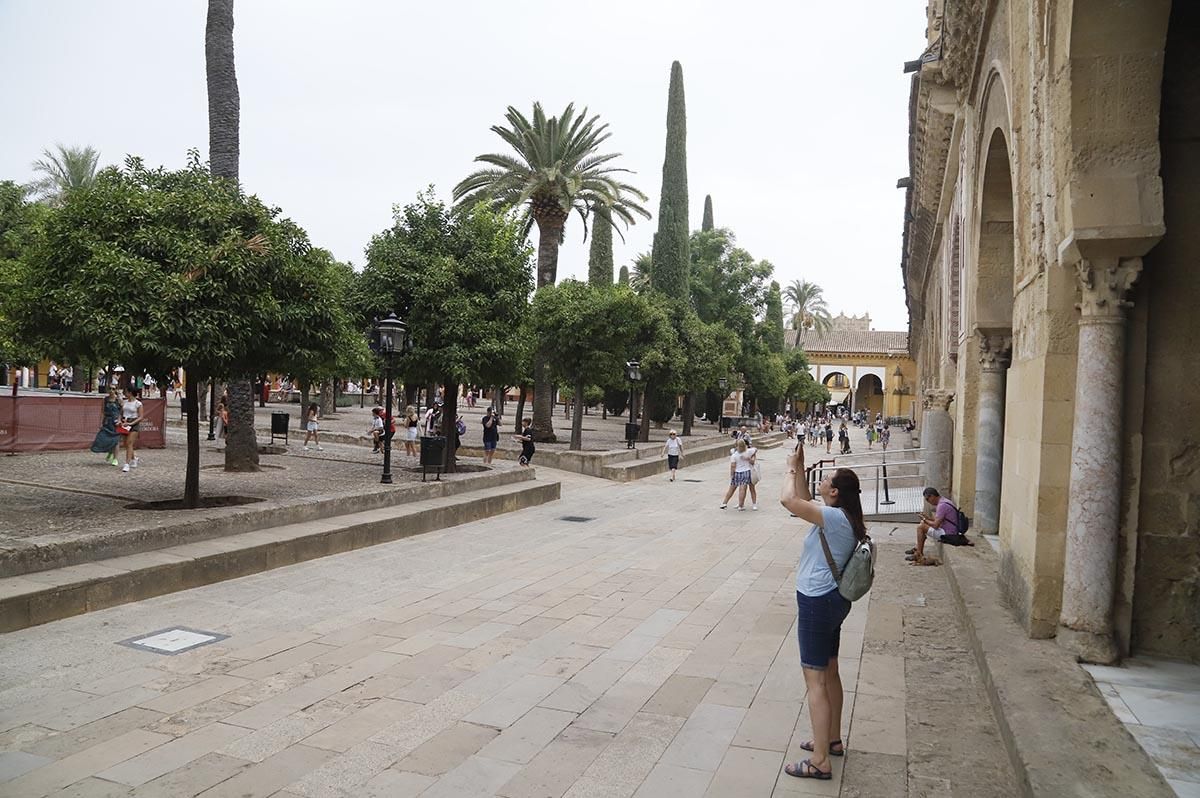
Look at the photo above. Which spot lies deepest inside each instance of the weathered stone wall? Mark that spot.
(1166, 601)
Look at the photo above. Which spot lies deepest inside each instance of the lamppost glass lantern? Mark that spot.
(391, 336)
(633, 373)
(723, 384)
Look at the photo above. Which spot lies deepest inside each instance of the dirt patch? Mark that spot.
(206, 503)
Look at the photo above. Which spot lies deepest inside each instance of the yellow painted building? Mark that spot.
(864, 369)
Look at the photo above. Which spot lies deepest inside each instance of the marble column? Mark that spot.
(937, 439)
(995, 349)
(1093, 509)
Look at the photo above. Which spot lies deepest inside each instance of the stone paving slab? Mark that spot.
(648, 652)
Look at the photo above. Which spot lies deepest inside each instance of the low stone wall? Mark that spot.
(243, 518)
(75, 590)
(1060, 734)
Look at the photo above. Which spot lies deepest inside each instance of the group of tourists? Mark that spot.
(123, 415)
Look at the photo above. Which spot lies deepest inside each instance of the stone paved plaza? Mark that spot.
(649, 652)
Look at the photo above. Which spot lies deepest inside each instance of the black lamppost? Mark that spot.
(723, 384)
(212, 407)
(634, 375)
(391, 336)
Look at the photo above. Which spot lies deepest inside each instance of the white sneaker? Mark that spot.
(306, 448)
(754, 507)
(723, 506)
(125, 468)
(134, 463)
(320, 449)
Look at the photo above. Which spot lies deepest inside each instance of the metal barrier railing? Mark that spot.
(882, 493)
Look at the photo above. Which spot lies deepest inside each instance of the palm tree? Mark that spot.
(554, 169)
(224, 156)
(62, 170)
(639, 275)
(808, 306)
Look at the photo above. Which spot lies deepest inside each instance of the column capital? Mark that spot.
(995, 349)
(938, 399)
(1104, 283)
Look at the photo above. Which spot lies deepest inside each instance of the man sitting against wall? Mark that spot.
(940, 522)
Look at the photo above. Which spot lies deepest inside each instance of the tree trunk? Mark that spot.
(498, 400)
(191, 480)
(577, 421)
(304, 397)
(410, 395)
(224, 120)
(224, 104)
(644, 432)
(449, 420)
(328, 399)
(550, 228)
(543, 401)
(689, 412)
(241, 444)
(521, 408)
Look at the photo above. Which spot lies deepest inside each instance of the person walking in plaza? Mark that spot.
(828, 437)
(312, 428)
(376, 429)
(107, 439)
(412, 424)
(820, 609)
(742, 459)
(886, 436)
(222, 419)
(131, 419)
(673, 449)
(844, 438)
(491, 434)
(526, 441)
(870, 437)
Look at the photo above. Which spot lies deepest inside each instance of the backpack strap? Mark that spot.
(829, 555)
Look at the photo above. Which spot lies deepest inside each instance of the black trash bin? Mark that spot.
(631, 433)
(433, 454)
(726, 423)
(279, 425)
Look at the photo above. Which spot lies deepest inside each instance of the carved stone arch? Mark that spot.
(1114, 196)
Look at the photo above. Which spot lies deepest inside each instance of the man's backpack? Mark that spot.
(963, 522)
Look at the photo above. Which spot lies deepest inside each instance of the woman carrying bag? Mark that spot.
(107, 440)
(837, 536)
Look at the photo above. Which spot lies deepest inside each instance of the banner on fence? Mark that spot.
(66, 422)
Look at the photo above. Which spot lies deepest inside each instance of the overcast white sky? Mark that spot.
(797, 111)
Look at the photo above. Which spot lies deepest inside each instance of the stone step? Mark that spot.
(36, 598)
(694, 455)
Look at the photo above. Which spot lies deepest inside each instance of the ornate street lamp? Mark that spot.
(391, 336)
(633, 373)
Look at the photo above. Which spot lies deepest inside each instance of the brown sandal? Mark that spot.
(807, 745)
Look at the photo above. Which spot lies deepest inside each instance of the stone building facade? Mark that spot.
(1051, 262)
(864, 369)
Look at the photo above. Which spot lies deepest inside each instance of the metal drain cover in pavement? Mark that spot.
(578, 519)
(173, 640)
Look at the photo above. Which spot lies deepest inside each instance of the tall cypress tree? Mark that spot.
(670, 256)
(623, 276)
(707, 224)
(773, 318)
(600, 257)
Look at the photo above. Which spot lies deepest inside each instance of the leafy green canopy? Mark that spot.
(155, 268)
(670, 261)
(460, 280)
(589, 331)
(20, 226)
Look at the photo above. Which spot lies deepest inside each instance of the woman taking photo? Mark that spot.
(820, 607)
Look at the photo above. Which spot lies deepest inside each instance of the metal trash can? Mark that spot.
(279, 425)
(631, 433)
(433, 454)
(726, 423)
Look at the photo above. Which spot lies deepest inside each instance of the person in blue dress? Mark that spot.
(107, 440)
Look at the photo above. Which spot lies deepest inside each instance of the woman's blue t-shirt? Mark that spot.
(813, 577)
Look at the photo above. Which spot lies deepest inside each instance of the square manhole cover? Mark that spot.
(577, 519)
(172, 640)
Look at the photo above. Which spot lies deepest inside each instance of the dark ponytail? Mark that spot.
(849, 499)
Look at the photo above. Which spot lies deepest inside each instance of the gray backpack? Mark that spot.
(855, 579)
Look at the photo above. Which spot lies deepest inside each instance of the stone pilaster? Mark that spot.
(1089, 575)
(937, 438)
(995, 351)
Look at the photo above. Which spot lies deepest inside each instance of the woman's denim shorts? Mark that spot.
(819, 627)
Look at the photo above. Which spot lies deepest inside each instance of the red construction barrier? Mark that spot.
(68, 423)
